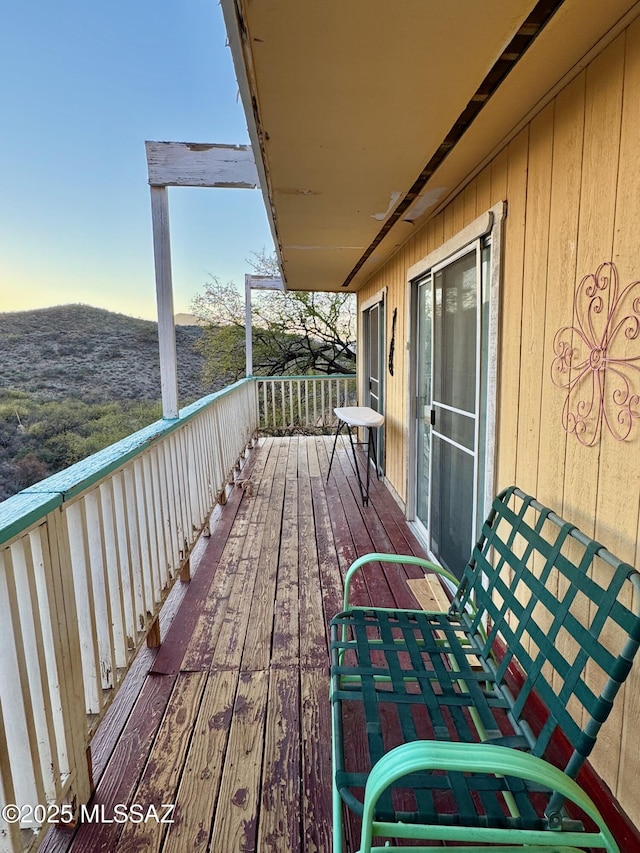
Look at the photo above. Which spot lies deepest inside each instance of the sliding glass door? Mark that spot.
(448, 405)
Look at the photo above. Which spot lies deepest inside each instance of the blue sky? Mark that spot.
(82, 86)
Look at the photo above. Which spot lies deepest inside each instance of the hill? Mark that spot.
(187, 320)
(75, 379)
(92, 355)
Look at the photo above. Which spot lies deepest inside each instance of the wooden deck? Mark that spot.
(229, 718)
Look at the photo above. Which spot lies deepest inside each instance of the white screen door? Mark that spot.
(448, 405)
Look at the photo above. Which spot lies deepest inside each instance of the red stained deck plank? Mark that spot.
(265, 543)
(316, 761)
(313, 634)
(129, 758)
(200, 783)
(377, 527)
(279, 821)
(340, 529)
(235, 823)
(159, 783)
(331, 579)
(286, 624)
(205, 641)
(174, 645)
(361, 521)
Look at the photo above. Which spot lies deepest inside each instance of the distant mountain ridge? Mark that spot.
(93, 355)
(187, 320)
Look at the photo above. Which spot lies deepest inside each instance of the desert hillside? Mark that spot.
(75, 379)
(91, 354)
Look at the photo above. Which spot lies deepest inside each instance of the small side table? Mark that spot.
(359, 416)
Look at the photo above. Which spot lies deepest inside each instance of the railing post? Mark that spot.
(185, 571)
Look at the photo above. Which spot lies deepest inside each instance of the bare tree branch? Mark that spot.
(294, 332)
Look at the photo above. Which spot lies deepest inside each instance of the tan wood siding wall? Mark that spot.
(571, 180)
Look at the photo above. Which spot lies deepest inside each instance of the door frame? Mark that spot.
(379, 298)
(475, 248)
(488, 228)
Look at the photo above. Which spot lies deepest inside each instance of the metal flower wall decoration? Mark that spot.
(595, 361)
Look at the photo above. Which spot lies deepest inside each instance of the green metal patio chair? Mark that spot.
(433, 735)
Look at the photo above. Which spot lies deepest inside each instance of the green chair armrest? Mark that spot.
(423, 755)
(391, 558)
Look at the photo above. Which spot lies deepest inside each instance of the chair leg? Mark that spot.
(336, 799)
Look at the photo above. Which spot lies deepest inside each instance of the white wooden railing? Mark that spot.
(290, 403)
(86, 559)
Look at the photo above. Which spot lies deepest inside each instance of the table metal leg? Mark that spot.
(373, 436)
(335, 441)
(364, 493)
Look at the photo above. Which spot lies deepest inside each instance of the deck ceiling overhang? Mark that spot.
(348, 104)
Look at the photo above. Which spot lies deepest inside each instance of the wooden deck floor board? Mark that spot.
(286, 625)
(126, 765)
(235, 821)
(316, 760)
(158, 786)
(198, 591)
(258, 638)
(313, 634)
(331, 579)
(232, 723)
(202, 643)
(214, 632)
(279, 824)
(363, 522)
(232, 629)
(200, 783)
(340, 530)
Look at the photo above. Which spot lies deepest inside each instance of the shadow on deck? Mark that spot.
(229, 719)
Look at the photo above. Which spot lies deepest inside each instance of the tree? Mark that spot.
(294, 332)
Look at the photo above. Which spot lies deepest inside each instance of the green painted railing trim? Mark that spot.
(27, 507)
(19, 512)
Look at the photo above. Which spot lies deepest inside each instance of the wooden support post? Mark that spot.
(247, 326)
(90, 769)
(185, 164)
(255, 282)
(222, 497)
(185, 571)
(153, 634)
(74, 801)
(164, 298)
